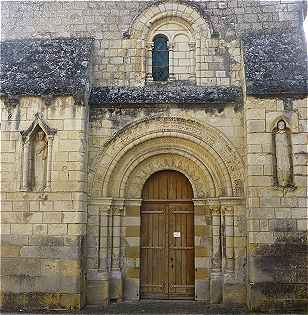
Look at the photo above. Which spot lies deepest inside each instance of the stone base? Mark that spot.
(131, 289)
(202, 290)
(234, 293)
(40, 301)
(216, 288)
(116, 286)
(97, 287)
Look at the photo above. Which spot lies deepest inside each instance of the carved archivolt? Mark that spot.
(143, 23)
(202, 185)
(36, 155)
(201, 152)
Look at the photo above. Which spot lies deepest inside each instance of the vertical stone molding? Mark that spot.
(192, 53)
(98, 280)
(171, 61)
(49, 161)
(148, 54)
(116, 278)
(217, 245)
(25, 166)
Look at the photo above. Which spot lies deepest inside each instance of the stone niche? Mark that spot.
(36, 156)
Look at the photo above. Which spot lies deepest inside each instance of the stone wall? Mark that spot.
(118, 61)
(42, 230)
(277, 213)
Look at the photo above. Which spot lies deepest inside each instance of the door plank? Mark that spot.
(167, 262)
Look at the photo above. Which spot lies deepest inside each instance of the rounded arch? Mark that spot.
(143, 23)
(163, 36)
(183, 27)
(203, 148)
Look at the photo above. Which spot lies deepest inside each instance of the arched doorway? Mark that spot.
(167, 237)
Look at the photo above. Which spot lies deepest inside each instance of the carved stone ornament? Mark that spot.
(36, 156)
(283, 155)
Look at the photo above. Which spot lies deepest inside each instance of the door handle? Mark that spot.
(171, 259)
(171, 266)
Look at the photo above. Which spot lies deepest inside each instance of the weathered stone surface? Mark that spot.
(276, 63)
(45, 66)
(63, 252)
(164, 93)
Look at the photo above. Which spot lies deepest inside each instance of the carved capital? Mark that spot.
(192, 45)
(117, 211)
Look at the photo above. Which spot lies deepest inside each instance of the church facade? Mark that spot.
(153, 150)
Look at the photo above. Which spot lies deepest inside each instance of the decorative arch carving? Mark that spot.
(128, 148)
(191, 14)
(202, 185)
(37, 143)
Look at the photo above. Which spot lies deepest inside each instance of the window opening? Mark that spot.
(160, 58)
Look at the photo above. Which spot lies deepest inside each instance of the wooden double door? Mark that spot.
(167, 237)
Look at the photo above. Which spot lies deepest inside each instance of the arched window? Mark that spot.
(160, 58)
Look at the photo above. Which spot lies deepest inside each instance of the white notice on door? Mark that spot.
(176, 234)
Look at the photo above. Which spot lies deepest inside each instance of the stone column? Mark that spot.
(49, 162)
(149, 49)
(115, 284)
(198, 61)
(234, 244)
(216, 239)
(216, 283)
(171, 61)
(98, 278)
(192, 54)
(26, 166)
(228, 215)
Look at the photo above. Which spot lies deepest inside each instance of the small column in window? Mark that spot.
(149, 51)
(171, 61)
(192, 53)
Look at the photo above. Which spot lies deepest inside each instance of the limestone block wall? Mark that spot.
(107, 120)
(42, 231)
(219, 222)
(118, 60)
(277, 216)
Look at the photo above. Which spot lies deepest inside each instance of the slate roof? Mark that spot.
(160, 94)
(275, 63)
(45, 66)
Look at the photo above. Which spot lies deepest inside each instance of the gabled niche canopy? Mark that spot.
(37, 123)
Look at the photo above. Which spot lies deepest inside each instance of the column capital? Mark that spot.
(171, 46)
(149, 45)
(192, 45)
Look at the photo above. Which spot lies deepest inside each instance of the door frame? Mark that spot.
(202, 249)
